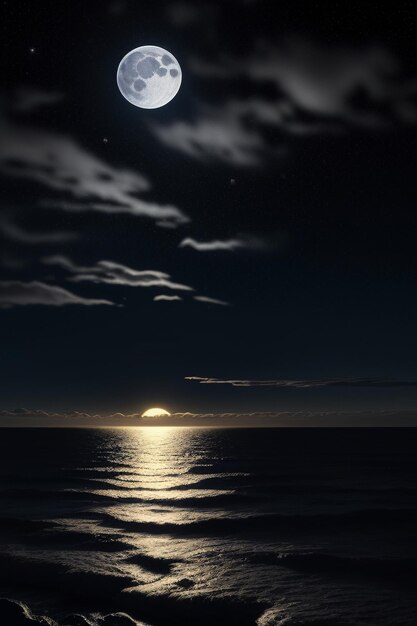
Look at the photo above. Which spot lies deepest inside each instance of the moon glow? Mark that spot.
(156, 412)
(149, 77)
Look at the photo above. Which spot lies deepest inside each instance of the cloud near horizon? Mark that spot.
(208, 300)
(267, 418)
(305, 384)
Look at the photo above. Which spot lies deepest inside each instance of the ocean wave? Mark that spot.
(219, 468)
(88, 489)
(156, 565)
(177, 610)
(130, 602)
(320, 621)
(18, 525)
(51, 494)
(322, 563)
(39, 574)
(157, 610)
(14, 613)
(96, 496)
(224, 525)
(50, 536)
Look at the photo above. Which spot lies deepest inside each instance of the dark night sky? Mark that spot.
(293, 135)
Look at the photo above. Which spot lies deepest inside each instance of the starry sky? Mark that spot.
(243, 255)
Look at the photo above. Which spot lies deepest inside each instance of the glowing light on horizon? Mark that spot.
(156, 412)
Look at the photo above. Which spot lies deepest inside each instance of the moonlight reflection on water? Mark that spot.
(209, 526)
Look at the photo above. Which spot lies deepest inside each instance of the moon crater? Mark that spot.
(139, 84)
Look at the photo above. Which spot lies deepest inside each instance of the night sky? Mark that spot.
(279, 186)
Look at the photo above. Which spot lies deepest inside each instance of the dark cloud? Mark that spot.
(323, 80)
(215, 134)
(117, 8)
(186, 14)
(318, 90)
(15, 233)
(17, 293)
(28, 99)
(60, 164)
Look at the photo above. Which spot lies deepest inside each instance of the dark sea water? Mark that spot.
(116, 527)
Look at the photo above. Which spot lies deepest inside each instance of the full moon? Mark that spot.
(149, 77)
(156, 412)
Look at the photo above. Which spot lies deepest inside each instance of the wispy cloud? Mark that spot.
(17, 293)
(185, 14)
(208, 300)
(323, 80)
(248, 242)
(164, 298)
(216, 134)
(112, 273)
(15, 233)
(82, 181)
(305, 383)
(210, 246)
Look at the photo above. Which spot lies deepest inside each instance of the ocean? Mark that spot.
(183, 526)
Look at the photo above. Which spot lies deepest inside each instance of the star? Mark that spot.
(32, 50)
(105, 140)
